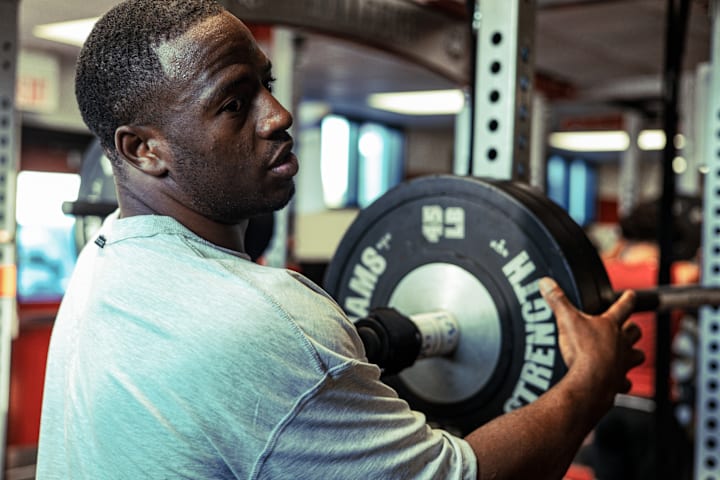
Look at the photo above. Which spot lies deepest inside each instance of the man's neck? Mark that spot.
(230, 236)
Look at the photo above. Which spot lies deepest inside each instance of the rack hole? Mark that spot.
(711, 424)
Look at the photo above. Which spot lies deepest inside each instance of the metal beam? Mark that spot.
(425, 36)
(9, 148)
(707, 428)
(503, 89)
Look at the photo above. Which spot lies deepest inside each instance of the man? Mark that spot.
(174, 356)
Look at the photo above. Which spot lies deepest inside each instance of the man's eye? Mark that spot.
(233, 106)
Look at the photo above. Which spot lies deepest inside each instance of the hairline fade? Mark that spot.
(119, 78)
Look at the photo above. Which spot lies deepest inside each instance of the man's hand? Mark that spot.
(597, 348)
(540, 440)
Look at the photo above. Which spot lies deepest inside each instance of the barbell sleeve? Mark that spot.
(394, 341)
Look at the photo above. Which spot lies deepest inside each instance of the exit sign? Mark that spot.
(37, 87)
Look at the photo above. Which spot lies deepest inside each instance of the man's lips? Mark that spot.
(285, 163)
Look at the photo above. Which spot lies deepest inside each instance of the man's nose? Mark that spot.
(274, 117)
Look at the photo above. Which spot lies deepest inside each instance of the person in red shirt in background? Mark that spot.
(622, 445)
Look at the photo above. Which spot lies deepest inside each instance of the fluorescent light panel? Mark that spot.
(609, 141)
(73, 32)
(427, 102)
(651, 140)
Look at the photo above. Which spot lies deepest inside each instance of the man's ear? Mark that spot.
(143, 148)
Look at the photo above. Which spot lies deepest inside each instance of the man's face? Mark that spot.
(227, 135)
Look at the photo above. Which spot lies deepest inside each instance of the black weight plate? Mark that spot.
(474, 248)
(590, 274)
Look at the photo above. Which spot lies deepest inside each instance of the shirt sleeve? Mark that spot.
(354, 426)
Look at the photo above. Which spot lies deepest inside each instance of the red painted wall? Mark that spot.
(29, 354)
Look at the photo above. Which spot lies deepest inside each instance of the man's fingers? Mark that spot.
(556, 299)
(554, 296)
(626, 386)
(636, 357)
(632, 332)
(622, 308)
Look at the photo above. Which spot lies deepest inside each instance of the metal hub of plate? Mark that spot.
(443, 286)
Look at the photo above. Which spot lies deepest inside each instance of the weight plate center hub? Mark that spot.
(444, 286)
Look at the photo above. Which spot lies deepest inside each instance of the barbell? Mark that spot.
(440, 276)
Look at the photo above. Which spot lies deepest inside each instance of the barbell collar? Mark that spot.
(394, 341)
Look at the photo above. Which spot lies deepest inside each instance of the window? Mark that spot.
(358, 161)
(46, 250)
(573, 186)
(557, 180)
(583, 190)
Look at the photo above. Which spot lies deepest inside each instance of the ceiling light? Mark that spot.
(680, 141)
(612, 141)
(651, 140)
(679, 165)
(73, 32)
(428, 102)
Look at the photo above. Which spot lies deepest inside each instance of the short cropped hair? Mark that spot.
(119, 79)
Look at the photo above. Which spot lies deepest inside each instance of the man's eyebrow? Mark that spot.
(226, 89)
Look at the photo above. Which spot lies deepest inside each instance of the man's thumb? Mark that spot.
(554, 295)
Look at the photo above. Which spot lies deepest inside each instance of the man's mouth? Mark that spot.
(285, 163)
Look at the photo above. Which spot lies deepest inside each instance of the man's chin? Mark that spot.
(273, 205)
(283, 202)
